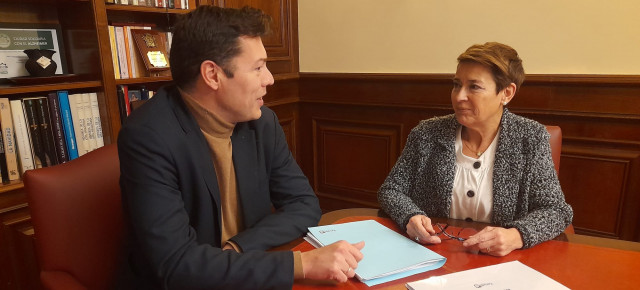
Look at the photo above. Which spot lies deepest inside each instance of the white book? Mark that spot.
(509, 275)
(78, 118)
(9, 140)
(23, 141)
(97, 122)
(122, 52)
(169, 40)
(88, 121)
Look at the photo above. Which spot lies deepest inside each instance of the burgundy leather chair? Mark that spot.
(77, 218)
(556, 145)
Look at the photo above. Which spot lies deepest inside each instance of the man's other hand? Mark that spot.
(337, 261)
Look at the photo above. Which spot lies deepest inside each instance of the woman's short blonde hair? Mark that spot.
(503, 60)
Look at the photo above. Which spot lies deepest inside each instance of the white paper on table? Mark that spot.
(510, 275)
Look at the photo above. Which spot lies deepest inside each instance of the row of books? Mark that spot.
(129, 98)
(128, 61)
(172, 4)
(47, 130)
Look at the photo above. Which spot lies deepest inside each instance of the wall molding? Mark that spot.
(599, 116)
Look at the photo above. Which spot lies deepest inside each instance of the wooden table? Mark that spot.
(578, 262)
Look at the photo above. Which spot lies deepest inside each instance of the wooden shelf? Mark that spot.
(145, 9)
(13, 89)
(13, 185)
(143, 80)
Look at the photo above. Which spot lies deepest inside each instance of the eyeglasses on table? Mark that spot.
(453, 233)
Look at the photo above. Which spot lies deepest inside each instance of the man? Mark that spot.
(208, 182)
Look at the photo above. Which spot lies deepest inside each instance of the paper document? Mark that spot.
(388, 255)
(511, 275)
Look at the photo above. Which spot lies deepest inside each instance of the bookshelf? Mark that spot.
(83, 28)
(83, 25)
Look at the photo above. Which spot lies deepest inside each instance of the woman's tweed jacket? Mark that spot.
(526, 190)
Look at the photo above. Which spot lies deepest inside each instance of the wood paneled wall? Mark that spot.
(353, 127)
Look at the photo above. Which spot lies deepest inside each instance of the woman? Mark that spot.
(482, 163)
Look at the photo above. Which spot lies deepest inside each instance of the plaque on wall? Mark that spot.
(152, 46)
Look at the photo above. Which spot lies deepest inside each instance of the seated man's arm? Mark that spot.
(295, 204)
(166, 246)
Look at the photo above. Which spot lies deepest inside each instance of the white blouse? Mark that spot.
(473, 183)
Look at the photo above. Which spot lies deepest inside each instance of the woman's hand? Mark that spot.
(495, 241)
(419, 229)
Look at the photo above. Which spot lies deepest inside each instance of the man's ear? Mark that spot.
(210, 73)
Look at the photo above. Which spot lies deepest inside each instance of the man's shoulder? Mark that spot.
(156, 109)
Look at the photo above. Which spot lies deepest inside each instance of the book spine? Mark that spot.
(97, 122)
(122, 53)
(88, 121)
(126, 31)
(77, 114)
(23, 141)
(42, 109)
(127, 102)
(4, 175)
(67, 125)
(114, 51)
(57, 129)
(121, 103)
(34, 131)
(9, 139)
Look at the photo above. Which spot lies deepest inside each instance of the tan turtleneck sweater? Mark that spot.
(218, 132)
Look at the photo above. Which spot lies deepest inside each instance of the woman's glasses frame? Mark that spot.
(443, 228)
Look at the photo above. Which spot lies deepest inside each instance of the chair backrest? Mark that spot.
(556, 145)
(77, 217)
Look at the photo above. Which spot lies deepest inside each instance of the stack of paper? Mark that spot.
(388, 255)
(510, 275)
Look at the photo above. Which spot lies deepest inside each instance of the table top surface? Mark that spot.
(573, 260)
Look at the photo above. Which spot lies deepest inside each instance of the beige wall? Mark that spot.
(426, 36)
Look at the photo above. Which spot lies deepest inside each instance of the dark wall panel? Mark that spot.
(346, 120)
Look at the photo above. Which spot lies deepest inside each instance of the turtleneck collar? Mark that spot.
(208, 121)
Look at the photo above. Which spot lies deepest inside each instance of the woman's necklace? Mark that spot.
(477, 153)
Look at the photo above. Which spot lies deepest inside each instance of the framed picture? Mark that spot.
(16, 37)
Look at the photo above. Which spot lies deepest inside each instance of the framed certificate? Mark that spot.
(15, 38)
(152, 46)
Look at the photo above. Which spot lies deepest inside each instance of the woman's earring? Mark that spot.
(504, 103)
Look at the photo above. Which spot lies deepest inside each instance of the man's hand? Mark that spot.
(419, 229)
(495, 241)
(337, 261)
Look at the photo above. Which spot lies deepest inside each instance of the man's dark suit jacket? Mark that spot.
(172, 202)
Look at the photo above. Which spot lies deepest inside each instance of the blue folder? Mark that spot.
(388, 255)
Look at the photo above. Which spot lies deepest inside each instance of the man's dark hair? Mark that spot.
(211, 33)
